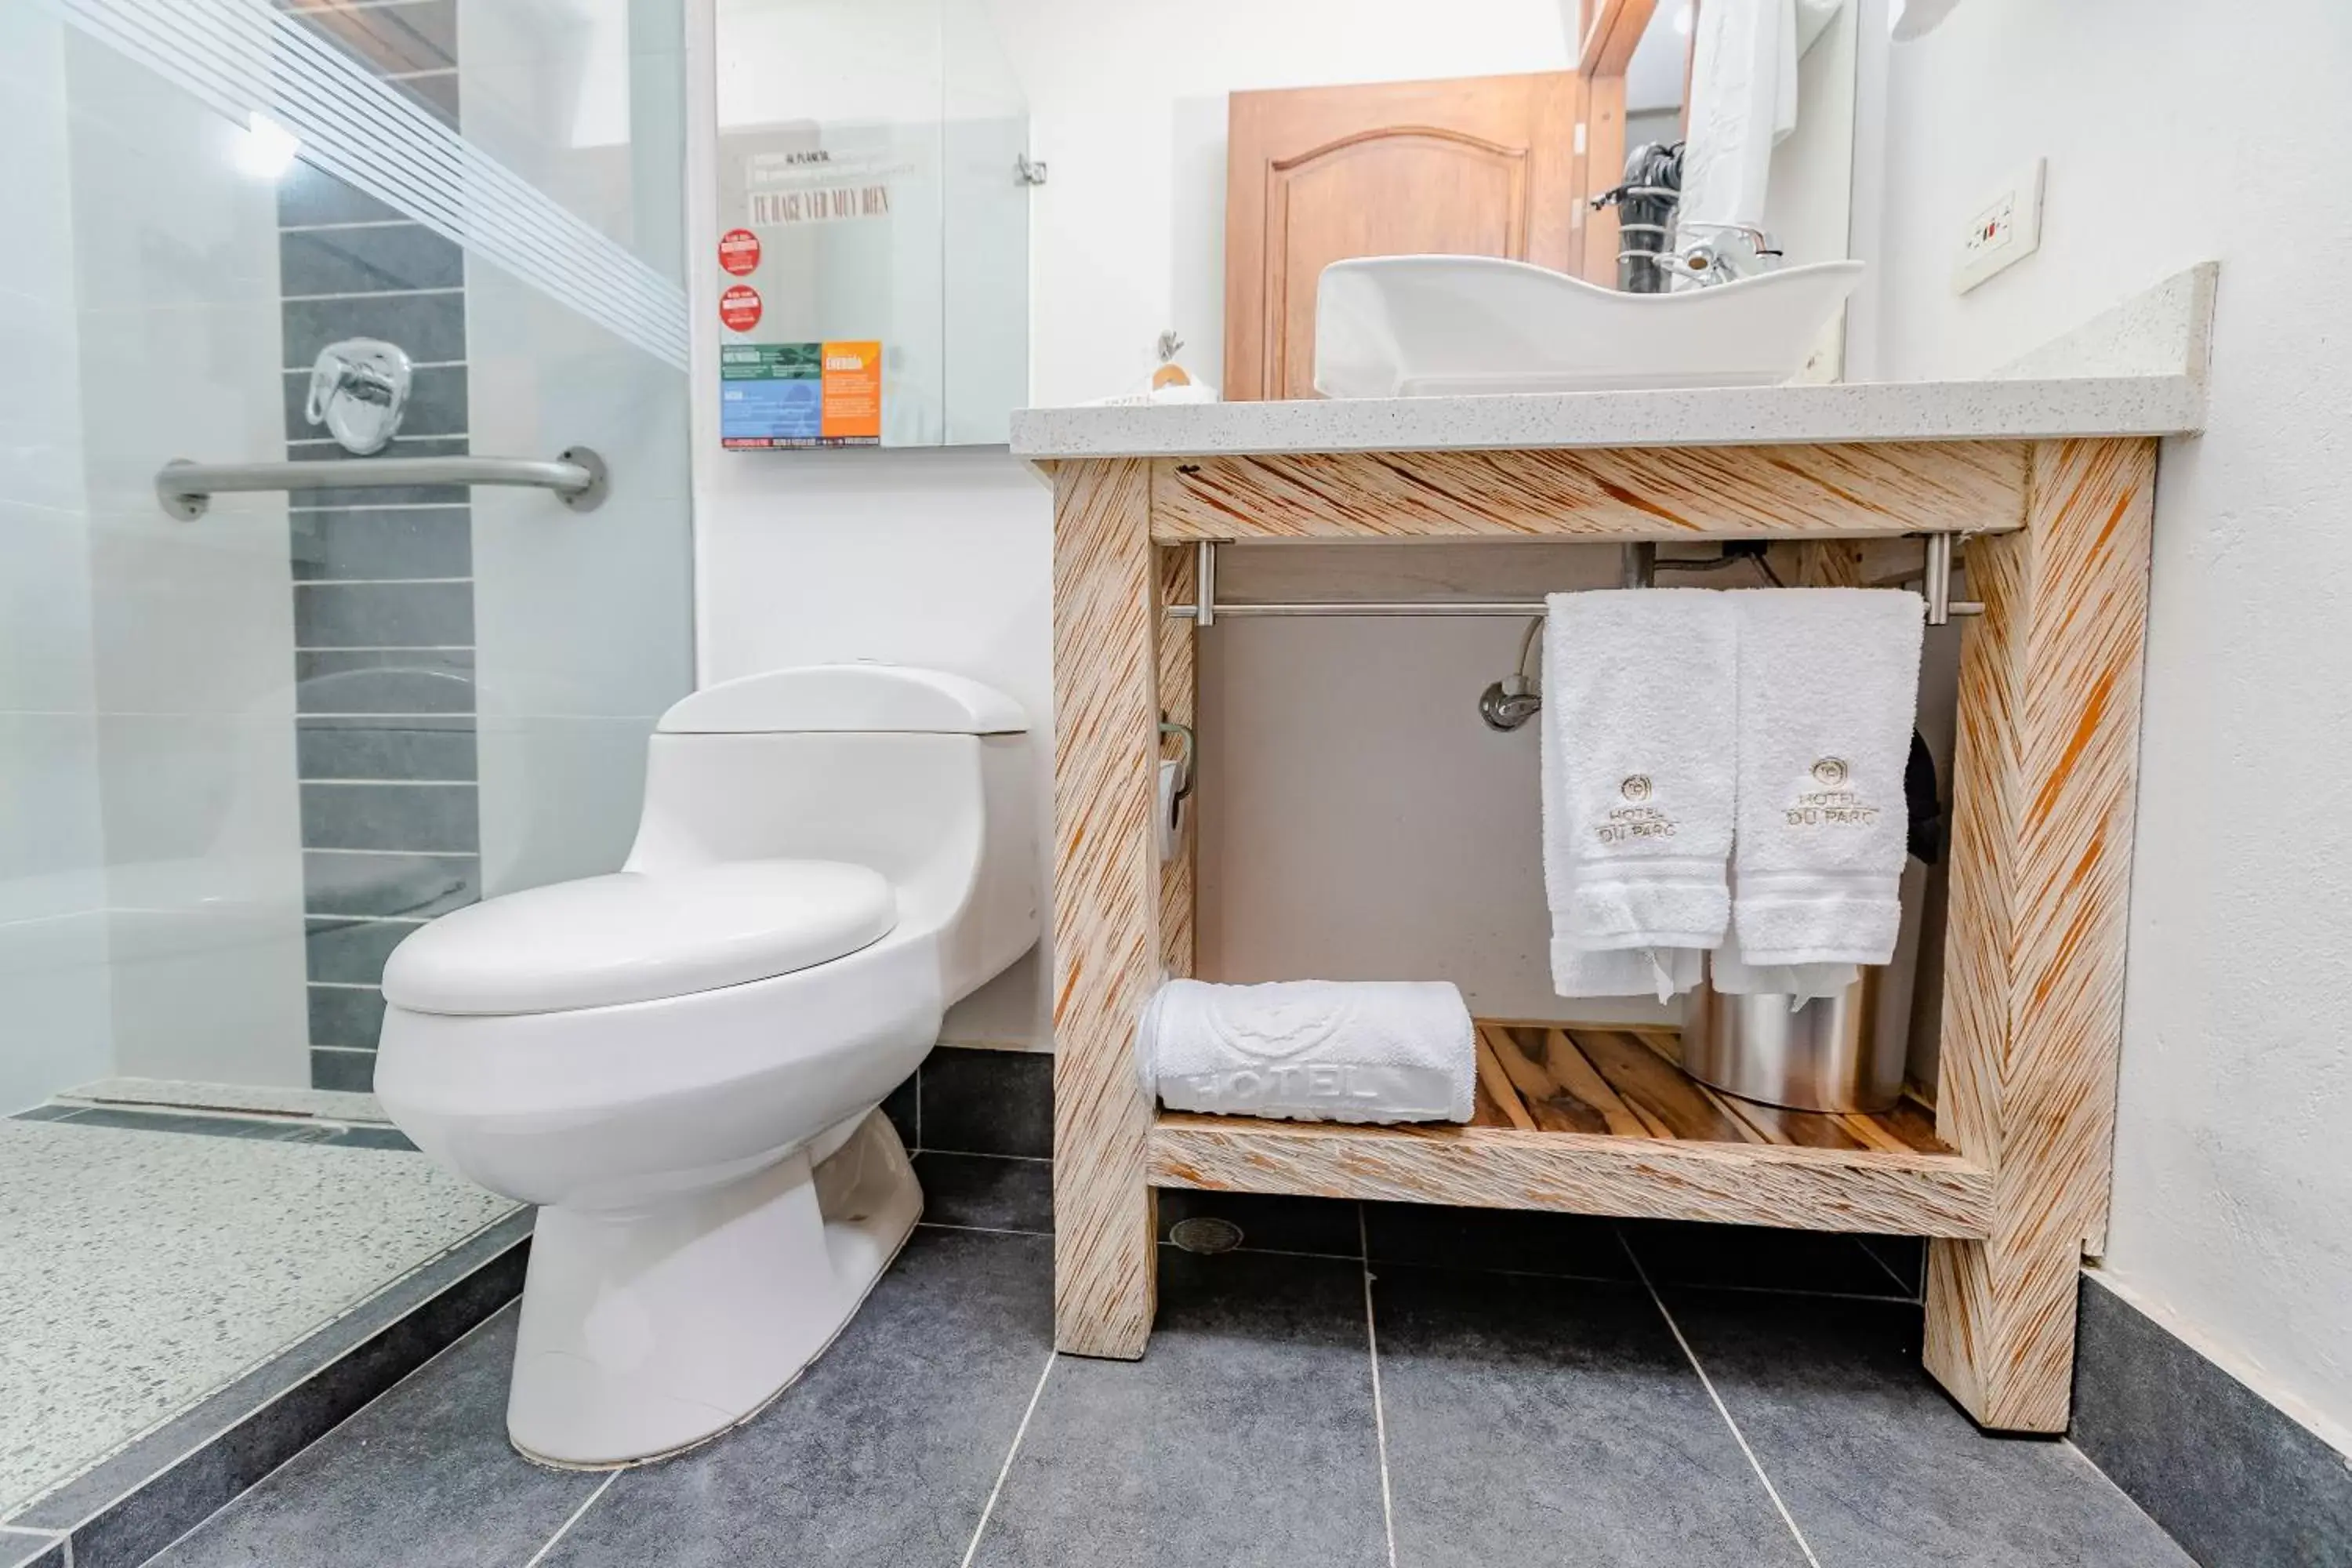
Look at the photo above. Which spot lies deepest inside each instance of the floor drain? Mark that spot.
(1206, 1234)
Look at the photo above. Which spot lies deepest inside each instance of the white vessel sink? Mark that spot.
(1424, 326)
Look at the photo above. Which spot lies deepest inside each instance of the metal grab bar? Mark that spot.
(576, 475)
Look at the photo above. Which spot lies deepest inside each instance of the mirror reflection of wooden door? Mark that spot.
(1473, 167)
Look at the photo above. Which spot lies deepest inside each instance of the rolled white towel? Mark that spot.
(1312, 1050)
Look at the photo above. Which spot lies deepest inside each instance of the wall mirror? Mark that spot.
(933, 212)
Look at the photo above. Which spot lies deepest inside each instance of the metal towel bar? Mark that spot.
(576, 475)
(1641, 562)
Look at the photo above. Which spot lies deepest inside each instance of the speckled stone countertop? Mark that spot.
(2138, 369)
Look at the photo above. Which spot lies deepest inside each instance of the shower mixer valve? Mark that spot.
(359, 389)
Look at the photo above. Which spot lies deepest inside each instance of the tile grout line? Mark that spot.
(564, 1529)
(1379, 1414)
(1720, 1408)
(988, 1509)
(1910, 1291)
(261, 1481)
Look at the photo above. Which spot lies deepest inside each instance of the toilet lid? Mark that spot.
(635, 937)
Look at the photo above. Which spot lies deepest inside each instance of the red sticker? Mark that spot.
(739, 307)
(739, 251)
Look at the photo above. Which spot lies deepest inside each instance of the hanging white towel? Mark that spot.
(1312, 1050)
(1829, 685)
(1639, 725)
(1743, 99)
(1729, 971)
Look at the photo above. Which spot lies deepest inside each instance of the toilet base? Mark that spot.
(648, 1332)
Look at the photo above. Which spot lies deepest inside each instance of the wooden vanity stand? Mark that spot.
(2050, 472)
(2015, 1175)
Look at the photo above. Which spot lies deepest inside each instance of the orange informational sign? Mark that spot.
(852, 409)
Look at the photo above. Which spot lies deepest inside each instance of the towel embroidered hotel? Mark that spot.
(1639, 726)
(1828, 691)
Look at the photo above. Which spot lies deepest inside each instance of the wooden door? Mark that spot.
(1473, 167)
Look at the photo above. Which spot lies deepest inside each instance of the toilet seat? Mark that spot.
(638, 937)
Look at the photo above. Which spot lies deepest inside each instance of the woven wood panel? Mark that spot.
(1696, 492)
(1106, 897)
(1601, 1120)
(2043, 775)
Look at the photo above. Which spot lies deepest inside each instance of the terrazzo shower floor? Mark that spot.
(147, 1260)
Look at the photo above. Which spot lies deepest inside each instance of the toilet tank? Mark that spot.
(927, 777)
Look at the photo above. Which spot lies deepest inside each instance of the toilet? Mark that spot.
(682, 1062)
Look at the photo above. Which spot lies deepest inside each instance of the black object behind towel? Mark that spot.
(1922, 803)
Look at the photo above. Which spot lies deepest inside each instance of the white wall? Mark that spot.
(54, 1026)
(937, 558)
(2176, 133)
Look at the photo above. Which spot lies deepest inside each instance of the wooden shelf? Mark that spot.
(1603, 1121)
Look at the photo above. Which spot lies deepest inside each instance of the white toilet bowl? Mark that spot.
(680, 1063)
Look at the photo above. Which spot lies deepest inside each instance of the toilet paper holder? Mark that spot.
(1171, 795)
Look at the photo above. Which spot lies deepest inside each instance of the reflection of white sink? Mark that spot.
(1422, 326)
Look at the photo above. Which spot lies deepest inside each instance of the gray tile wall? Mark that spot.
(384, 592)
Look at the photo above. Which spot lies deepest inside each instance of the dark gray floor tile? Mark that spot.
(424, 748)
(371, 1138)
(422, 1476)
(434, 818)
(384, 614)
(1756, 1258)
(1878, 1467)
(438, 404)
(415, 887)
(345, 1016)
(904, 1108)
(386, 257)
(1904, 1258)
(989, 1102)
(1270, 1222)
(1552, 1423)
(24, 1548)
(396, 681)
(1574, 1245)
(1245, 1436)
(127, 1119)
(986, 1192)
(883, 1451)
(350, 951)
(350, 1072)
(431, 327)
(165, 1483)
(2235, 1479)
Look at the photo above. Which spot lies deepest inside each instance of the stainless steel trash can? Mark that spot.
(1822, 1054)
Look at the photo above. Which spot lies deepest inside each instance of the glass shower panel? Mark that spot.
(245, 755)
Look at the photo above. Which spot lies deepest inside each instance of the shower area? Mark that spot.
(249, 742)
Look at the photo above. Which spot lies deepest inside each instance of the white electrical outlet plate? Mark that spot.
(2005, 228)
